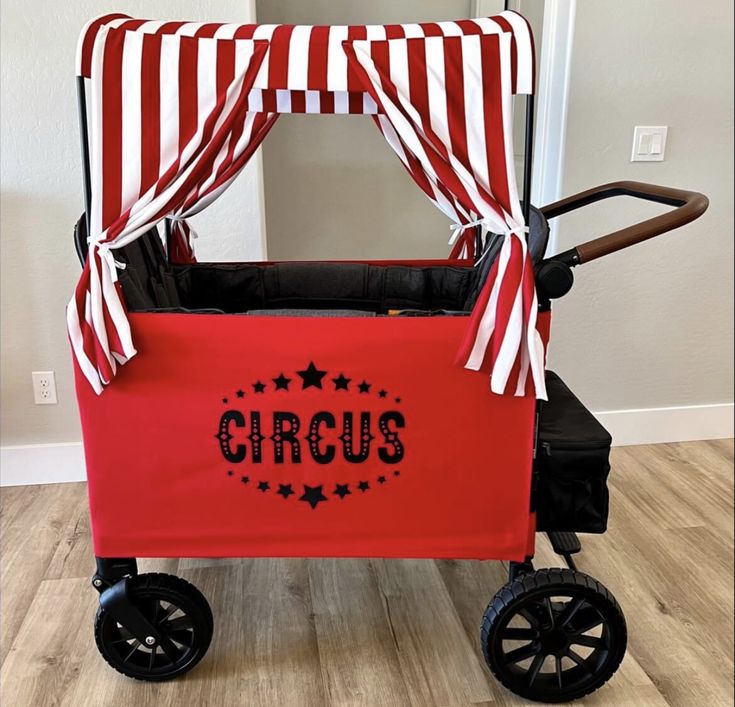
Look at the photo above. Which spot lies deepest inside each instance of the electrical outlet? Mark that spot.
(44, 387)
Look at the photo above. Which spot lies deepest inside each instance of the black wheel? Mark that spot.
(553, 635)
(180, 613)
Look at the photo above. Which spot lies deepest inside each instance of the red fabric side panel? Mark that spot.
(400, 453)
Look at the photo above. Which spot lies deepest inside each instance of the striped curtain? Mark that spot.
(167, 147)
(456, 144)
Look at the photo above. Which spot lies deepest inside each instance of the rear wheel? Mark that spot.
(179, 612)
(553, 635)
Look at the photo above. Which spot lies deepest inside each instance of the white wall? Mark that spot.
(651, 326)
(42, 198)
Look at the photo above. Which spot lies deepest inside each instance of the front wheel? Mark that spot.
(553, 635)
(179, 612)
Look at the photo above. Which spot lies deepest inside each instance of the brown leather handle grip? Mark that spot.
(690, 205)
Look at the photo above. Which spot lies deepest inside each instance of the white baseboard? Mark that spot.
(42, 464)
(57, 463)
(686, 423)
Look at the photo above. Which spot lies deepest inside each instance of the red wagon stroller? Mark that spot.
(332, 409)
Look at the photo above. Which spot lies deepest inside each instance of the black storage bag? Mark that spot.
(572, 463)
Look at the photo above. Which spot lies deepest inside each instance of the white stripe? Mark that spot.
(255, 100)
(313, 102)
(336, 60)
(524, 47)
(487, 322)
(263, 32)
(77, 343)
(131, 119)
(437, 89)
(226, 31)
(283, 101)
(298, 58)
(341, 102)
(506, 85)
(475, 117)
(412, 30)
(169, 101)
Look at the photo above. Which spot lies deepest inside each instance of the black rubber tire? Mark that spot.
(129, 657)
(554, 635)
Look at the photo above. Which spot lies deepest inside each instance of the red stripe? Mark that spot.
(279, 56)
(244, 32)
(298, 101)
(316, 76)
(469, 26)
(326, 102)
(354, 84)
(89, 37)
(493, 122)
(112, 130)
(456, 117)
(208, 30)
(507, 27)
(150, 117)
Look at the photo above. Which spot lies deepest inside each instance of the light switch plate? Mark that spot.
(649, 143)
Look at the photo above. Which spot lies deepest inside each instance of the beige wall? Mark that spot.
(333, 187)
(651, 326)
(41, 198)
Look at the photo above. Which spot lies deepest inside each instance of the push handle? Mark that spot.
(690, 205)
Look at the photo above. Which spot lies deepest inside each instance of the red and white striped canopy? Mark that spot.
(177, 109)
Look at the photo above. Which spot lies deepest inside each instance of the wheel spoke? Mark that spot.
(585, 620)
(550, 611)
(519, 654)
(557, 663)
(579, 660)
(589, 641)
(569, 611)
(185, 638)
(180, 623)
(133, 650)
(527, 614)
(169, 612)
(535, 668)
(519, 634)
(152, 659)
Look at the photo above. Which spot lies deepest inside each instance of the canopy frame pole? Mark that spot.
(84, 139)
(528, 158)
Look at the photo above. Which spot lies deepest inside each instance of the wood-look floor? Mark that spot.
(377, 632)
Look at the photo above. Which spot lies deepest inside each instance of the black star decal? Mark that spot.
(244, 479)
(225, 401)
(313, 495)
(342, 490)
(230, 472)
(381, 479)
(240, 393)
(382, 393)
(340, 382)
(396, 473)
(258, 387)
(364, 387)
(285, 490)
(398, 400)
(363, 486)
(311, 377)
(281, 382)
(263, 486)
